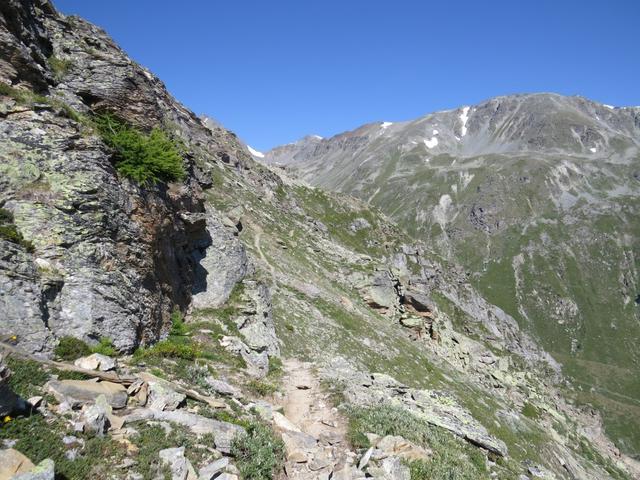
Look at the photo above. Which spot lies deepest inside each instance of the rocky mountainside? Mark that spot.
(223, 320)
(536, 196)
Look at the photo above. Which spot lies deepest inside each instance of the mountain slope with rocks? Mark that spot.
(228, 321)
(536, 196)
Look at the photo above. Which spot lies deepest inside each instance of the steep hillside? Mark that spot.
(536, 196)
(170, 308)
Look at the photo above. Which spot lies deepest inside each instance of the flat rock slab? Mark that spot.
(223, 432)
(13, 462)
(45, 470)
(81, 392)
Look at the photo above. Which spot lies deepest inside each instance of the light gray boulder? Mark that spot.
(179, 465)
(96, 361)
(221, 265)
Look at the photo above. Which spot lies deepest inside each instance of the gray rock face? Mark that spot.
(111, 258)
(382, 293)
(222, 262)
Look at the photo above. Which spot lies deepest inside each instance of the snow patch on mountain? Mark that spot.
(255, 153)
(464, 117)
(431, 143)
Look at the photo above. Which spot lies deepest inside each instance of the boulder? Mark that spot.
(96, 361)
(412, 322)
(81, 392)
(256, 322)
(381, 293)
(282, 423)
(222, 387)
(96, 417)
(418, 301)
(220, 265)
(257, 362)
(399, 447)
(13, 462)
(163, 397)
(214, 469)
(179, 465)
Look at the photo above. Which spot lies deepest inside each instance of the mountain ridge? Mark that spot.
(534, 177)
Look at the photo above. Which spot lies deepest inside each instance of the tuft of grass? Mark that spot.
(170, 349)
(38, 439)
(71, 348)
(144, 158)
(275, 367)
(21, 95)
(262, 387)
(8, 231)
(59, 66)
(27, 376)
(178, 328)
(453, 458)
(259, 453)
(530, 411)
(105, 347)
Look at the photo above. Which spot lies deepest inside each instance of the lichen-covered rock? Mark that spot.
(381, 293)
(434, 407)
(110, 258)
(45, 470)
(222, 432)
(13, 462)
(179, 466)
(256, 322)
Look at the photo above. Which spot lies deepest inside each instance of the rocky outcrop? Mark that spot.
(220, 264)
(256, 320)
(434, 407)
(110, 258)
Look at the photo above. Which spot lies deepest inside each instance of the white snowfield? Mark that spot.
(464, 116)
(255, 153)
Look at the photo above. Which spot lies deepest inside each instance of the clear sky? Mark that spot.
(275, 70)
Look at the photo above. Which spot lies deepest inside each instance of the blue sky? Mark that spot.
(275, 70)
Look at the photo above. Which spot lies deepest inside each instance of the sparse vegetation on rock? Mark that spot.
(144, 157)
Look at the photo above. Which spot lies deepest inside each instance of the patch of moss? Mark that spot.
(530, 411)
(9, 231)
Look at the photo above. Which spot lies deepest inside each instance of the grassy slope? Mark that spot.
(584, 252)
(336, 322)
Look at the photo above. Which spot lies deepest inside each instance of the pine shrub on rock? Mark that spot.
(144, 158)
